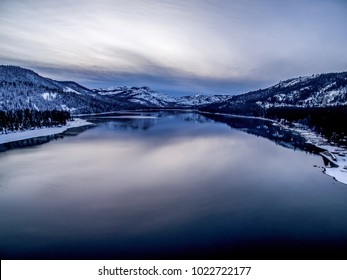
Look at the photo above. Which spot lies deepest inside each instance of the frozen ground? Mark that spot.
(38, 132)
(339, 157)
(336, 155)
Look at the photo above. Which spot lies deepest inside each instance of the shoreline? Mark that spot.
(39, 132)
(336, 155)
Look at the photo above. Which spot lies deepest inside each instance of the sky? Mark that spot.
(175, 46)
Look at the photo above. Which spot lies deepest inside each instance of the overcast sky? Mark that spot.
(177, 46)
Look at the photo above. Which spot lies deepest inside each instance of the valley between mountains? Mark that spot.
(315, 107)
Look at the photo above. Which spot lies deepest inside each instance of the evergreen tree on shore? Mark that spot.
(15, 120)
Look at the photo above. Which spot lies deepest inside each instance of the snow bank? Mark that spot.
(336, 155)
(339, 158)
(38, 132)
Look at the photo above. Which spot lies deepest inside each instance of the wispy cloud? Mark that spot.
(204, 45)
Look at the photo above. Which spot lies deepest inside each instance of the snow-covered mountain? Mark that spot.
(198, 100)
(22, 88)
(140, 95)
(312, 91)
(150, 98)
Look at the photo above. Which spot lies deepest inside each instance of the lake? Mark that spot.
(170, 185)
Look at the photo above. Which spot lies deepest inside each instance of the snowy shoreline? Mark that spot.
(39, 132)
(334, 154)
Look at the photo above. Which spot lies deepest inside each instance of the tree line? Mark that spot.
(330, 121)
(15, 120)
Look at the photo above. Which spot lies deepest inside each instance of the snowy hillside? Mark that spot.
(200, 100)
(139, 95)
(313, 91)
(317, 91)
(150, 98)
(22, 88)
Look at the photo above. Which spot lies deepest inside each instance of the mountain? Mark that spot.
(199, 100)
(322, 90)
(143, 96)
(23, 88)
(147, 97)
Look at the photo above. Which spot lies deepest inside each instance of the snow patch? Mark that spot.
(49, 96)
(293, 82)
(336, 155)
(68, 89)
(39, 132)
(64, 107)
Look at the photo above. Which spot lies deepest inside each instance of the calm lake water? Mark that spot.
(169, 185)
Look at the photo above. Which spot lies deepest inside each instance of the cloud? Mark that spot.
(206, 45)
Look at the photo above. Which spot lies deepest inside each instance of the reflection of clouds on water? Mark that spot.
(179, 185)
(132, 163)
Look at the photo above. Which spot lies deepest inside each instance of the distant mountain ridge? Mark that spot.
(147, 97)
(22, 88)
(142, 96)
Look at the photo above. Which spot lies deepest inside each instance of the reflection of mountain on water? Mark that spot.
(145, 120)
(267, 129)
(42, 140)
(125, 122)
(133, 124)
(189, 116)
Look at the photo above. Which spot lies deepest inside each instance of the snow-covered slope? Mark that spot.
(139, 95)
(313, 91)
(22, 88)
(150, 98)
(75, 88)
(317, 91)
(200, 99)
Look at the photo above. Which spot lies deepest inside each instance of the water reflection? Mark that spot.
(177, 190)
(125, 122)
(41, 140)
(185, 115)
(146, 120)
(267, 129)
